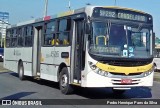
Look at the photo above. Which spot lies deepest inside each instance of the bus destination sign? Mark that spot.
(120, 14)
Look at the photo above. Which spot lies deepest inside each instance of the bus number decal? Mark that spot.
(111, 68)
(53, 54)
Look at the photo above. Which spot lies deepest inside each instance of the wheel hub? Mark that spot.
(64, 81)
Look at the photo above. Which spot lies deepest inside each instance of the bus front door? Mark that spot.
(78, 59)
(36, 51)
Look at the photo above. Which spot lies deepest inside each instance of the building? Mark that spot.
(4, 20)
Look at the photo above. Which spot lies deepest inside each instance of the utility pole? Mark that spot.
(69, 5)
(115, 2)
(45, 9)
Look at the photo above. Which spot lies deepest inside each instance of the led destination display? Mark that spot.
(121, 14)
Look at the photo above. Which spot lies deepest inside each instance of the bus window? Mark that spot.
(28, 36)
(14, 38)
(20, 37)
(49, 35)
(64, 31)
(8, 38)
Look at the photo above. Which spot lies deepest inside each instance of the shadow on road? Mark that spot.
(98, 93)
(18, 95)
(106, 93)
(41, 82)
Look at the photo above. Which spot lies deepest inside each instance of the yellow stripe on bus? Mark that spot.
(123, 8)
(65, 13)
(126, 70)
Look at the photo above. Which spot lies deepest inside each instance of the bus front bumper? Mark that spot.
(95, 80)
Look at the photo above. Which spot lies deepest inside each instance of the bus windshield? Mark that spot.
(120, 40)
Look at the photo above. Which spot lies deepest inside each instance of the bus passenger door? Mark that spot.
(78, 56)
(36, 51)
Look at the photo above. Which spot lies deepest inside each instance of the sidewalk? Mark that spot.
(2, 69)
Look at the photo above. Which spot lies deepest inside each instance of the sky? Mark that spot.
(24, 10)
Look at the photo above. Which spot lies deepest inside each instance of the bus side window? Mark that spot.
(20, 38)
(28, 35)
(49, 29)
(8, 38)
(14, 38)
(64, 31)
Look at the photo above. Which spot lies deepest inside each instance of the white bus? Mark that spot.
(94, 46)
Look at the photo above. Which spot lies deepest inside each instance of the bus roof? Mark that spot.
(76, 11)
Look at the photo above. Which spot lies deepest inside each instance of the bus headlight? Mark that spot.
(97, 70)
(148, 72)
(92, 66)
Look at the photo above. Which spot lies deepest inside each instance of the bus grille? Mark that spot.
(127, 63)
(124, 84)
(123, 74)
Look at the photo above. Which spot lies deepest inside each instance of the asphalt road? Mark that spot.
(1, 64)
(12, 88)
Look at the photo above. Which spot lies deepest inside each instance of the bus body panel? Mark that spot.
(95, 80)
(62, 51)
(51, 60)
(49, 72)
(18, 54)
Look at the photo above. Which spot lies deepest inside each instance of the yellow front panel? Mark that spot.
(126, 70)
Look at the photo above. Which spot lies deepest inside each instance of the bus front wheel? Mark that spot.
(21, 71)
(64, 85)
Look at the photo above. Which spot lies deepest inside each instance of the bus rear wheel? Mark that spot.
(21, 71)
(64, 85)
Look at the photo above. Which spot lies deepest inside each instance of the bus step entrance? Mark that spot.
(77, 81)
(37, 77)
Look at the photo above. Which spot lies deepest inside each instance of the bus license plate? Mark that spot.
(126, 81)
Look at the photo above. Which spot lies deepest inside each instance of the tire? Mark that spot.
(21, 71)
(118, 92)
(64, 85)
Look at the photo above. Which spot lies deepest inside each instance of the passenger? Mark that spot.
(65, 42)
(55, 42)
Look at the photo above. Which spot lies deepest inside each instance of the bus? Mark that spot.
(156, 59)
(90, 47)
